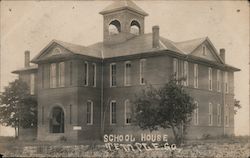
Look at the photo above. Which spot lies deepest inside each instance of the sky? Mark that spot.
(31, 25)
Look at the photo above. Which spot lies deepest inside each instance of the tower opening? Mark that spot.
(114, 27)
(135, 27)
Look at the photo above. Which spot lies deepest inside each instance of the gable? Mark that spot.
(206, 55)
(207, 51)
(52, 51)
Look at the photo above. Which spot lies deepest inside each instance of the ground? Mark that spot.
(207, 147)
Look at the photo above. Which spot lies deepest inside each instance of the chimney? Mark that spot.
(27, 58)
(222, 54)
(156, 36)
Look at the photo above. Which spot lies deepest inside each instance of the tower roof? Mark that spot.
(123, 4)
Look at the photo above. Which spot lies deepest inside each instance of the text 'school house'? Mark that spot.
(92, 87)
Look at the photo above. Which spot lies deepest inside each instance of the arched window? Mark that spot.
(135, 27)
(57, 120)
(56, 51)
(114, 27)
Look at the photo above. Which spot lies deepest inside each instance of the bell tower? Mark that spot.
(122, 20)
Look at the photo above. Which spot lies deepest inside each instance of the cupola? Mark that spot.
(121, 21)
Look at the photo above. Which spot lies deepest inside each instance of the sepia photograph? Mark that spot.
(124, 78)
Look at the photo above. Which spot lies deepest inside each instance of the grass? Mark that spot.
(222, 146)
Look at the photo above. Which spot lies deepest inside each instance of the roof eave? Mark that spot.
(19, 71)
(122, 8)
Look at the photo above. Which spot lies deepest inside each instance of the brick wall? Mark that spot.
(158, 71)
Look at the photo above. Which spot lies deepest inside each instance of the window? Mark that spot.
(226, 82)
(128, 112)
(32, 84)
(210, 78)
(94, 74)
(113, 112)
(204, 51)
(195, 76)
(57, 120)
(175, 66)
(53, 75)
(56, 51)
(61, 74)
(43, 115)
(218, 80)
(227, 115)
(43, 75)
(196, 114)
(114, 27)
(89, 112)
(210, 114)
(185, 73)
(70, 73)
(70, 114)
(86, 73)
(112, 75)
(135, 27)
(127, 74)
(142, 71)
(218, 115)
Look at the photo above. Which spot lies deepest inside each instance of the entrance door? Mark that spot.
(57, 120)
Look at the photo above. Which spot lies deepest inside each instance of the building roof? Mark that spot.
(123, 4)
(189, 46)
(26, 69)
(135, 45)
(79, 49)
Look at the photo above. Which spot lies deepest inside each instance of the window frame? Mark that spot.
(112, 76)
(111, 112)
(127, 77)
(175, 68)
(196, 114)
(61, 76)
(70, 113)
(91, 112)
(142, 71)
(227, 121)
(210, 114)
(218, 114)
(126, 104)
(218, 83)
(53, 75)
(204, 50)
(94, 74)
(226, 82)
(196, 76)
(86, 73)
(42, 115)
(210, 79)
(185, 73)
(43, 75)
(70, 73)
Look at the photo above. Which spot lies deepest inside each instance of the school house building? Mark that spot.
(83, 91)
